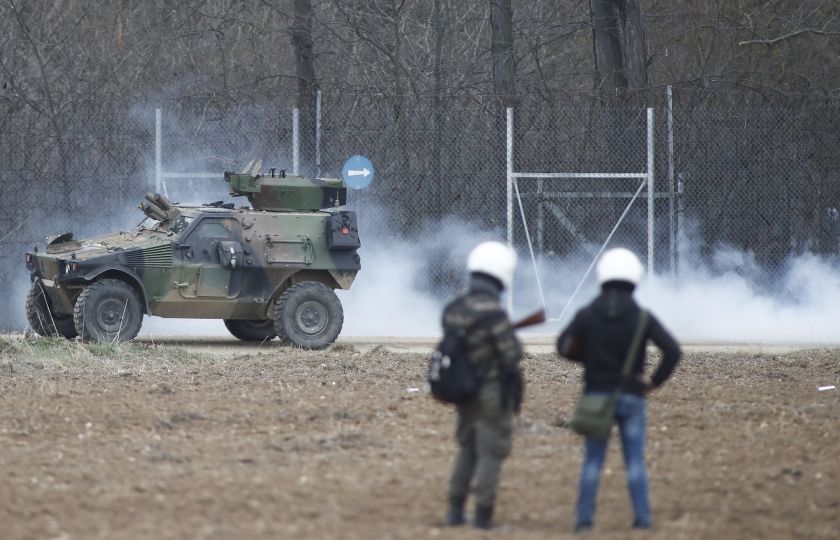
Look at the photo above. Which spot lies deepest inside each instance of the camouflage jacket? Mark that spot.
(492, 344)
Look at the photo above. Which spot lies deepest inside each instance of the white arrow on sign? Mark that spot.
(363, 172)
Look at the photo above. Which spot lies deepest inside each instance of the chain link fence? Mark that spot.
(762, 179)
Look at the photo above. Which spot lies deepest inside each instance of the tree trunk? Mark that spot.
(607, 43)
(304, 53)
(504, 70)
(306, 84)
(635, 52)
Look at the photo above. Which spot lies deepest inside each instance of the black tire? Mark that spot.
(108, 310)
(43, 319)
(308, 315)
(257, 330)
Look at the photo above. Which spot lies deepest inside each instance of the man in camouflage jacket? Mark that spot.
(485, 424)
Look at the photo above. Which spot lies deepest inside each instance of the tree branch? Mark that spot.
(773, 41)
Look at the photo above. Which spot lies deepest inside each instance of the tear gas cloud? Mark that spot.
(404, 284)
(723, 298)
(701, 306)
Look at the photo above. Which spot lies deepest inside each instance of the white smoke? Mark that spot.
(722, 298)
(717, 299)
(154, 327)
(403, 285)
(801, 309)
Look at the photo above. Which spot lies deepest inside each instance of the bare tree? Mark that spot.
(304, 53)
(619, 43)
(606, 42)
(633, 45)
(307, 85)
(504, 69)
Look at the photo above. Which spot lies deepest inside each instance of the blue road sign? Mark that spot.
(357, 172)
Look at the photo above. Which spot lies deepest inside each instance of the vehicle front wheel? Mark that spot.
(108, 310)
(308, 315)
(257, 330)
(43, 319)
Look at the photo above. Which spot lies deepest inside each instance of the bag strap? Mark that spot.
(632, 351)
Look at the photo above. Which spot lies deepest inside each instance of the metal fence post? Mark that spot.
(296, 142)
(158, 157)
(680, 210)
(540, 217)
(509, 158)
(318, 133)
(650, 198)
(672, 238)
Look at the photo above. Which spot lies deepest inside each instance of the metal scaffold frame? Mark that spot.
(646, 184)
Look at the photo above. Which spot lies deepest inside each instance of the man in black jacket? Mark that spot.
(599, 337)
(485, 424)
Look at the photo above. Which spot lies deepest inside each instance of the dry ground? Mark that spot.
(145, 441)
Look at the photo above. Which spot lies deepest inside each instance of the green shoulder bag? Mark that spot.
(595, 413)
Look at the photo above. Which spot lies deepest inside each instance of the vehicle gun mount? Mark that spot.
(158, 207)
(280, 192)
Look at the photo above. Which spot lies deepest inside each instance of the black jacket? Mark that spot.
(600, 335)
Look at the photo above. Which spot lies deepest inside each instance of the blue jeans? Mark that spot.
(630, 414)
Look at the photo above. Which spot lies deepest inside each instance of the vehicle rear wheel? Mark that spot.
(43, 319)
(308, 315)
(108, 310)
(255, 330)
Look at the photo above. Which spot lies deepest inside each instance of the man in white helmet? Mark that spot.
(599, 337)
(485, 424)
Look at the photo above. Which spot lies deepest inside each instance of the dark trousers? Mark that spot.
(485, 435)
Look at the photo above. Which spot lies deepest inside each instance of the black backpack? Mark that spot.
(452, 377)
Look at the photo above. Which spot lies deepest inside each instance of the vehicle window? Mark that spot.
(213, 229)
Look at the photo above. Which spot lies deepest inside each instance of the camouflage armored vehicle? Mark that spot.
(269, 270)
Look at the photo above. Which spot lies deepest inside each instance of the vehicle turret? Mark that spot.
(280, 192)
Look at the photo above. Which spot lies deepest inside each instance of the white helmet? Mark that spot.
(494, 259)
(619, 264)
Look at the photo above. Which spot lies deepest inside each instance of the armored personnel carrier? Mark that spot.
(268, 270)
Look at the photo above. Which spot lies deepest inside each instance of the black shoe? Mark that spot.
(455, 514)
(640, 525)
(484, 517)
(582, 528)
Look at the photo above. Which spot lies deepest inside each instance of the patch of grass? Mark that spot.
(45, 344)
(6, 345)
(21, 354)
(109, 350)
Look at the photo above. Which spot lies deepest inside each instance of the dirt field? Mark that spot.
(146, 441)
